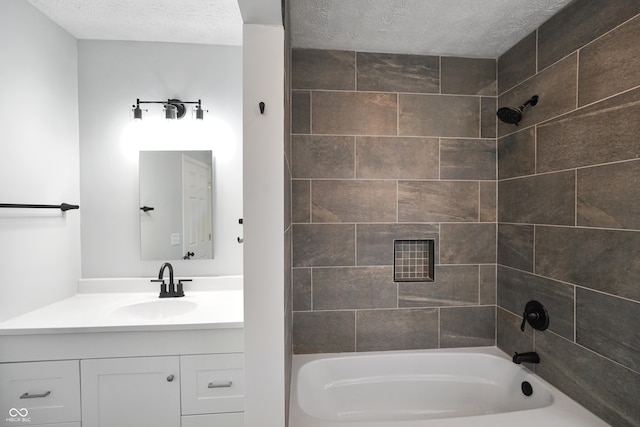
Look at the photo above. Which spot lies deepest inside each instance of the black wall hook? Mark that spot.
(261, 105)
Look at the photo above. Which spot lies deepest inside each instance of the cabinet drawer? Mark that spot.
(217, 420)
(41, 392)
(212, 383)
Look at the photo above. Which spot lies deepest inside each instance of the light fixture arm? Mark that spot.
(176, 104)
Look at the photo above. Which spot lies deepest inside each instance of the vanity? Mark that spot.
(115, 354)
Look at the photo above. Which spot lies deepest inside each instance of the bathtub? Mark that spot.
(478, 387)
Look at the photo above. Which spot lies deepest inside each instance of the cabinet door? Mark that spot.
(214, 420)
(39, 392)
(131, 392)
(212, 383)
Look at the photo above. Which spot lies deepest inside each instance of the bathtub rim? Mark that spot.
(562, 405)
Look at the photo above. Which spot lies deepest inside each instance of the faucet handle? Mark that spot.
(163, 287)
(180, 290)
(536, 315)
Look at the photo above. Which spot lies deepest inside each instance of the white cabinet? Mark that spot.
(131, 392)
(212, 383)
(39, 393)
(196, 390)
(214, 420)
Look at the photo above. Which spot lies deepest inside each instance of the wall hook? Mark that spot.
(261, 105)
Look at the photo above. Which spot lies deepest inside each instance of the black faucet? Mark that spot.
(171, 292)
(529, 357)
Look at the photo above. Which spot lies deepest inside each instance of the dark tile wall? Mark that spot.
(568, 212)
(386, 147)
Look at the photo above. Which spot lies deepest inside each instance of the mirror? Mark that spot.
(176, 208)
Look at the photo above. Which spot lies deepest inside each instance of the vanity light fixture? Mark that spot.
(173, 108)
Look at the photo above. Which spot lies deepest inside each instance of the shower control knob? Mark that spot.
(536, 315)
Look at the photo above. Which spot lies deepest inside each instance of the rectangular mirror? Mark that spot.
(176, 209)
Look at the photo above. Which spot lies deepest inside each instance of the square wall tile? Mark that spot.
(600, 133)
(516, 288)
(354, 113)
(388, 72)
(379, 330)
(517, 64)
(556, 87)
(375, 241)
(323, 69)
(467, 326)
(455, 285)
(468, 159)
(397, 158)
(539, 199)
(608, 389)
(315, 156)
(319, 245)
(353, 201)
(342, 288)
(578, 24)
(468, 243)
(439, 115)
(609, 196)
(610, 64)
(438, 201)
(590, 258)
(324, 332)
(469, 76)
(300, 112)
(604, 325)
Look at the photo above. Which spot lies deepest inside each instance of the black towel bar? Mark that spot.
(62, 206)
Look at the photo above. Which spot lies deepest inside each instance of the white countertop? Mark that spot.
(113, 305)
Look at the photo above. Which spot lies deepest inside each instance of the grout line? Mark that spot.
(586, 288)
(575, 315)
(311, 112)
(310, 202)
(577, 168)
(311, 289)
(537, 50)
(575, 198)
(355, 157)
(535, 149)
(355, 330)
(355, 71)
(440, 74)
(534, 250)
(439, 325)
(578, 79)
(397, 114)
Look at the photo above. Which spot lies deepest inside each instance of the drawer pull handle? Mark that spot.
(35, 396)
(220, 384)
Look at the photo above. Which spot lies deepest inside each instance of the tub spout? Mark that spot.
(529, 357)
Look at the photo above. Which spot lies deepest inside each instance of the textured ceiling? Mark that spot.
(192, 21)
(469, 28)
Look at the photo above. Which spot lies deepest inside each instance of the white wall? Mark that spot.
(111, 76)
(264, 226)
(39, 250)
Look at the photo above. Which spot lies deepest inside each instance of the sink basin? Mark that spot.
(157, 309)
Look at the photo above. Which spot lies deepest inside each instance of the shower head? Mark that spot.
(513, 115)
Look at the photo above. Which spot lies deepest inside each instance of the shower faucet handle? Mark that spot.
(536, 315)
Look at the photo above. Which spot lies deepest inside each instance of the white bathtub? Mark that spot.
(478, 387)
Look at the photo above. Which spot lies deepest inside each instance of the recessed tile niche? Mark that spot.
(413, 260)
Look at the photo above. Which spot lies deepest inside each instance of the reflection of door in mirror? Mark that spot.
(176, 211)
(196, 194)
